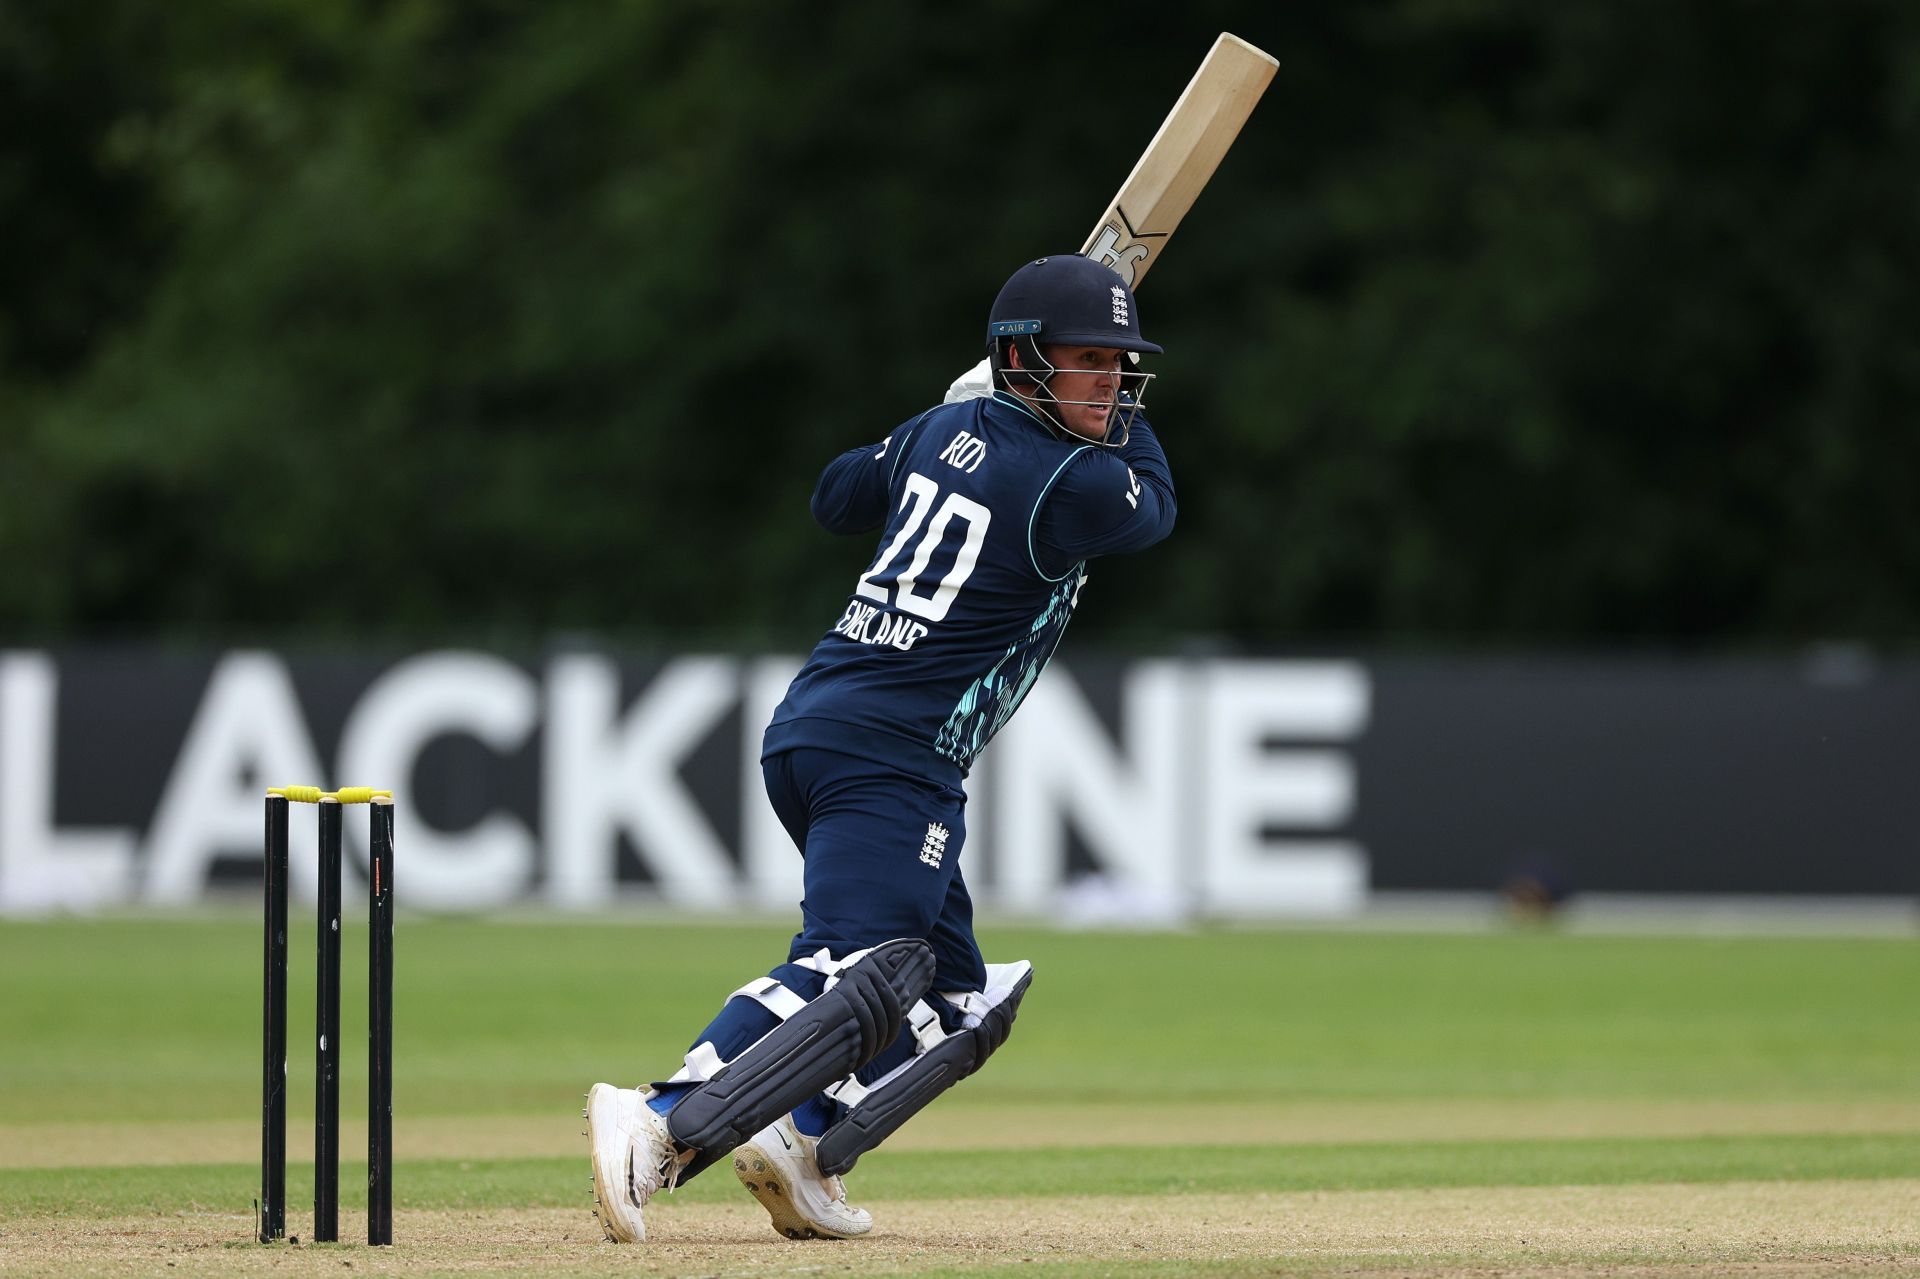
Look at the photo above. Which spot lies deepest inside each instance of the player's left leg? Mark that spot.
(881, 848)
(951, 1032)
(643, 1139)
(875, 886)
(780, 1165)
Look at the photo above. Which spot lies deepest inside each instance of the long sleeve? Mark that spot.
(852, 494)
(1106, 502)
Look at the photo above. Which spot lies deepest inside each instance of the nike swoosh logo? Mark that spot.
(783, 1138)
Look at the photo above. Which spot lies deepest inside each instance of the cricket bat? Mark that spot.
(1181, 158)
(1169, 174)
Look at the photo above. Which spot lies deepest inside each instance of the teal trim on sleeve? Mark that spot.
(1034, 517)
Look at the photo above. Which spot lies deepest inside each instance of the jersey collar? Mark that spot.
(1008, 399)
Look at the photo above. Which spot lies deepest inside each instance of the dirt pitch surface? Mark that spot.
(1013, 1126)
(1762, 1228)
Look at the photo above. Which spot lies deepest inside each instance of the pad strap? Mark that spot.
(703, 1059)
(924, 1022)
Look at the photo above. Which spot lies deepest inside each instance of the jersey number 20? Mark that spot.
(921, 493)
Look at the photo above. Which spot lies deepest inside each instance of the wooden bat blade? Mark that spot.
(1181, 158)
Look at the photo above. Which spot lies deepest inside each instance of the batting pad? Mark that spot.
(824, 1041)
(943, 1061)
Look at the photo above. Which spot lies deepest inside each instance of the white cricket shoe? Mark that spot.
(633, 1156)
(778, 1166)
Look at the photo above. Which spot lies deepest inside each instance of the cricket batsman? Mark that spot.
(988, 509)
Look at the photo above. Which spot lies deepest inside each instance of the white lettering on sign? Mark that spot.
(423, 698)
(1178, 798)
(249, 733)
(1245, 787)
(608, 774)
(1055, 766)
(41, 866)
(772, 864)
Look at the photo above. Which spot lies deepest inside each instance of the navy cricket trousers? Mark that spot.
(882, 853)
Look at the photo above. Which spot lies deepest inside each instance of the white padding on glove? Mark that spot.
(976, 383)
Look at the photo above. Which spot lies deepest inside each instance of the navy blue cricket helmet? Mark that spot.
(1067, 300)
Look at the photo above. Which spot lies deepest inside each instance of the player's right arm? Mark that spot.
(851, 496)
(1106, 502)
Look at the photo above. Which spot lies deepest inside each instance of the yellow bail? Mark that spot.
(313, 794)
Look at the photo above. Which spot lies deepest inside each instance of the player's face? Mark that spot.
(1088, 373)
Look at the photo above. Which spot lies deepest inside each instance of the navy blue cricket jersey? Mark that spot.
(987, 519)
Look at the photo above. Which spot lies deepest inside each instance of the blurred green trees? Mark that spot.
(1580, 323)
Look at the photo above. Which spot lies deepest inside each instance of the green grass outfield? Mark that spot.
(1336, 1095)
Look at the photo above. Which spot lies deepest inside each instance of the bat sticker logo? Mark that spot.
(1106, 248)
